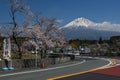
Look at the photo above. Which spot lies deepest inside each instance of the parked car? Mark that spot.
(50, 51)
(76, 53)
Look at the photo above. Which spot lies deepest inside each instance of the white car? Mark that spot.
(76, 53)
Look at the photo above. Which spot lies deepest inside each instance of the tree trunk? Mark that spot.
(18, 46)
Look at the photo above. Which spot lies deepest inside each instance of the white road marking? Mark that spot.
(25, 72)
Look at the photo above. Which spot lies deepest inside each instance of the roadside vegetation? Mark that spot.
(108, 48)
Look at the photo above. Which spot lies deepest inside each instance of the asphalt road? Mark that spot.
(44, 74)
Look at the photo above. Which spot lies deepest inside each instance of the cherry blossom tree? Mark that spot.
(49, 28)
(18, 8)
(44, 32)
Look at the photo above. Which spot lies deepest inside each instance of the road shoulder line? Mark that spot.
(32, 71)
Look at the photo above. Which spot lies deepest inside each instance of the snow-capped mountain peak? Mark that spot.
(86, 23)
(80, 22)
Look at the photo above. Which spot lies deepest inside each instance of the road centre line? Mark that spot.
(78, 73)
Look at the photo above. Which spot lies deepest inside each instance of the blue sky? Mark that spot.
(68, 10)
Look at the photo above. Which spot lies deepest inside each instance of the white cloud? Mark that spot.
(107, 26)
(60, 20)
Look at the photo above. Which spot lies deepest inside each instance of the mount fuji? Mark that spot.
(82, 28)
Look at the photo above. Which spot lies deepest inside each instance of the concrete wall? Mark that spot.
(31, 63)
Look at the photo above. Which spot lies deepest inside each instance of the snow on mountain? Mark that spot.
(83, 22)
(80, 22)
(86, 29)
